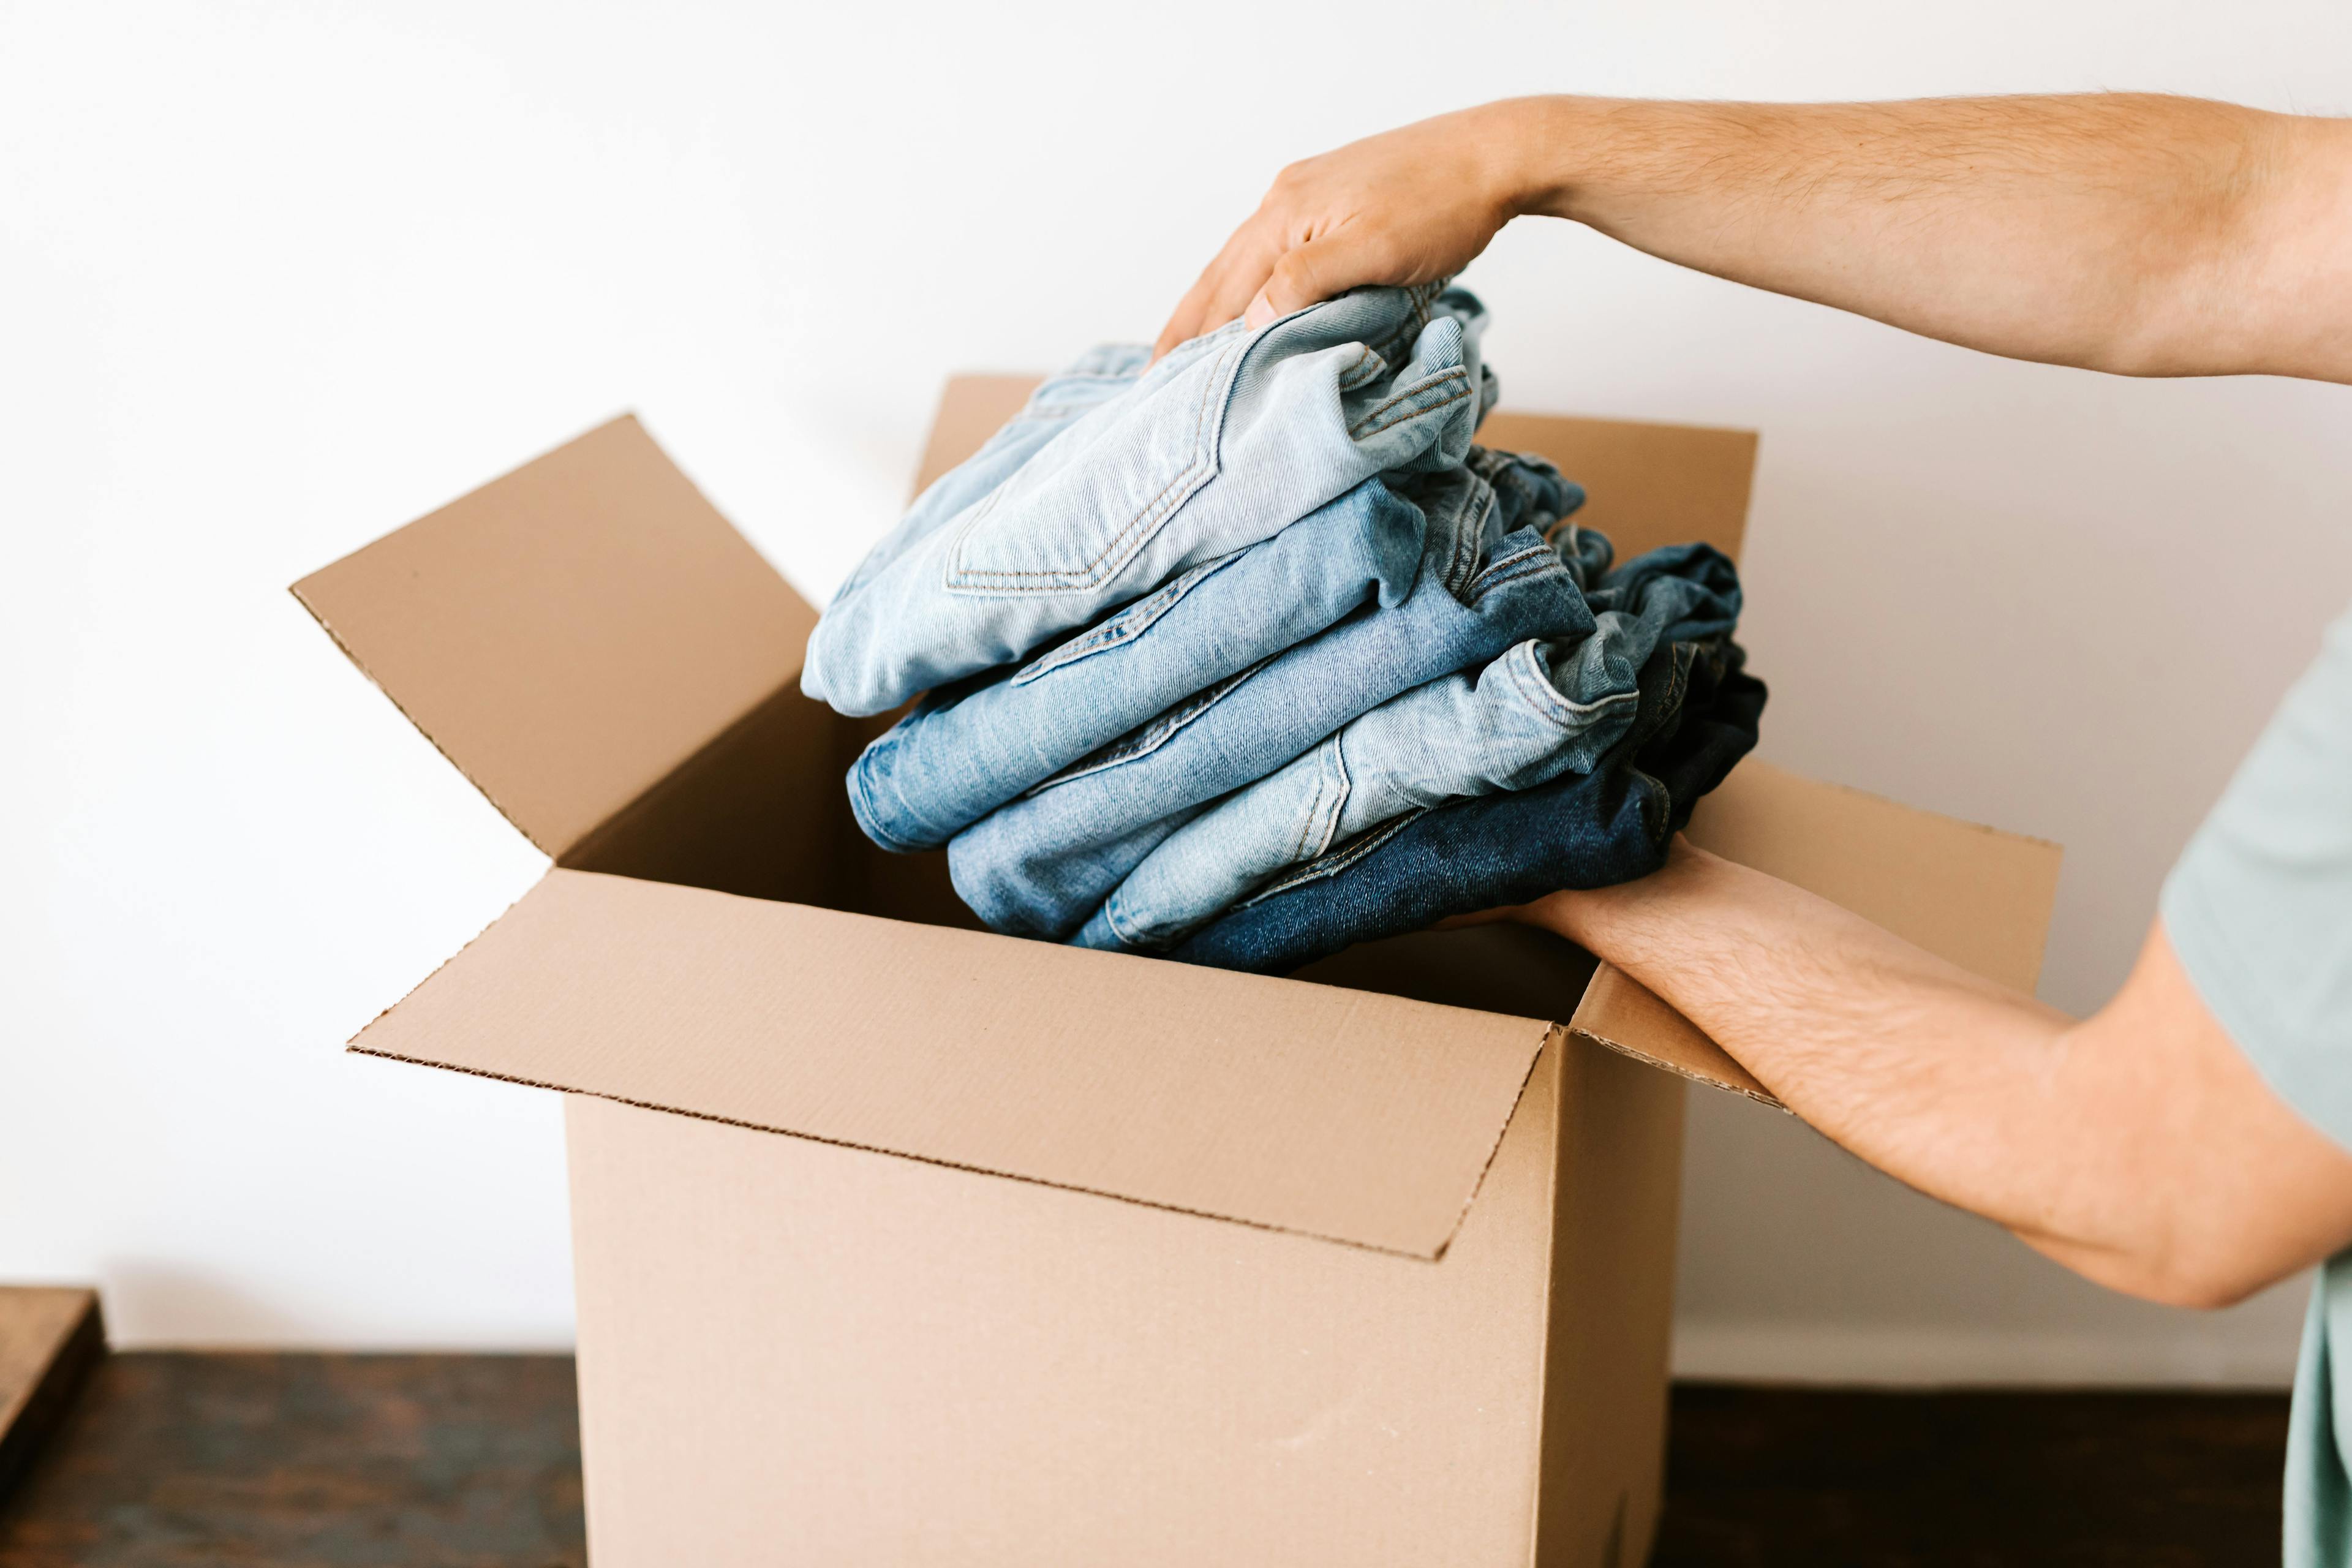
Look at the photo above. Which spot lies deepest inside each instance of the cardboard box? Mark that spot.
(1062, 1256)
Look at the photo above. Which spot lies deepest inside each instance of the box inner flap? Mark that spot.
(1334, 1113)
(1976, 896)
(1645, 485)
(568, 634)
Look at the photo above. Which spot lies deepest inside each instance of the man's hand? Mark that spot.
(2139, 1147)
(1411, 205)
(2122, 232)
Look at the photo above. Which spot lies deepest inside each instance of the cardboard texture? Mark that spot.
(1069, 1257)
(1356, 1118)
(569, 634)
(1008, 1373)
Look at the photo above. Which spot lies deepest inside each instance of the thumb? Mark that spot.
(1305, 275)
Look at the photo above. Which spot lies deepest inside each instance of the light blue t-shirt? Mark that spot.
(2260, 913)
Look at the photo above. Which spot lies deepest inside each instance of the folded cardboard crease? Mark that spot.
(859, 1339)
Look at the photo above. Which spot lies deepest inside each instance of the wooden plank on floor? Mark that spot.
(204, 1459)
(50, 1336)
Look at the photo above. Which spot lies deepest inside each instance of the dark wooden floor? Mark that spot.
(307, 1461)
(296, 1462)
(1840, 1479)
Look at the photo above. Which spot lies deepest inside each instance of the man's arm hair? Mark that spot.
(2126, 231)
(2137, 1146)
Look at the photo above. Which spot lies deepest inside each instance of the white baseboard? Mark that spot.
(1924, 1357)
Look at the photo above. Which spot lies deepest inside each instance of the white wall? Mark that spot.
(276, 277)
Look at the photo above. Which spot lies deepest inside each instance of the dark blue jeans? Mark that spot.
(1699, 711)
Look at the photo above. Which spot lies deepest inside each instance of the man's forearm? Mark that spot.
(1886, 1049)
(2123, 232)
(2127, 1146)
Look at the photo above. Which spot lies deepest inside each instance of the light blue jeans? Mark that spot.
(1044, 863)
(1542, 709)
(1226, 441)
(968, 750)
(1094, 378)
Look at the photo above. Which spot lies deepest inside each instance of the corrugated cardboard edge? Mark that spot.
(1760, 1094)
(1731, 1077)
(360, 664)
(1554, 1034)
(355, 1048)
(605, 531)
(1502, 1130)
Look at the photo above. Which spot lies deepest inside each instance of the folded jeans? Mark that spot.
(1229, 439)
(1040, 865)
(967, 751)
(1700, 710)
(1541, 709)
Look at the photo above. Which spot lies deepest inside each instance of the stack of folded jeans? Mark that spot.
(1250, 655)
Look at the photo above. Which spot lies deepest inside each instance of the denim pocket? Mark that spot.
(1072, 525)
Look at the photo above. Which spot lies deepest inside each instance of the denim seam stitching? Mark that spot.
(1364, 426)
(1550, 700)
(1153, 742)
(889, 841)
(1538, 569)
(1529, 562)
(1418, 299)
(1119, 924)
(1199, 460)
(1332, 865)
(1364, 356)
(1330, 786)
(1118, 631)
(1461, 567)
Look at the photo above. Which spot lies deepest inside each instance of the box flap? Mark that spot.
(569, 634)
(1333, 1113)
(1645, 485)
(1973, 895)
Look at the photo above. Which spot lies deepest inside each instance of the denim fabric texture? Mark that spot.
(1542, 709)
(1060, 401)
(1226, 441)
(1489, 577)
(1698, 713)
(965, 751)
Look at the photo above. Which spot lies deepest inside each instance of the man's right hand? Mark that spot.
(1410, 206)
(2121, 232)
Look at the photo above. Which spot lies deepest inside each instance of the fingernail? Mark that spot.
(1261, 310)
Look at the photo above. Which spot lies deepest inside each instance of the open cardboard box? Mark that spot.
(1066, 1256)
